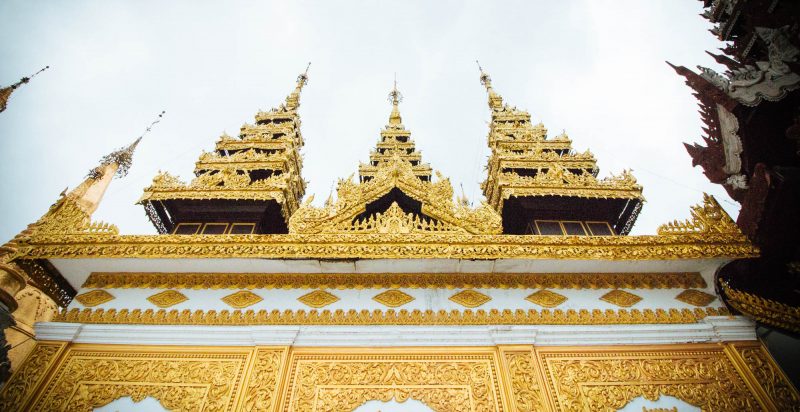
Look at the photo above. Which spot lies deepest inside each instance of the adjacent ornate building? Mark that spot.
(251, 298)
(752, 147)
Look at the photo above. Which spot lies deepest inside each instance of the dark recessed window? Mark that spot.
(214, 228)
(187, 228)
(242, 228)
(600, 228)
(574, 228)
(549, 227)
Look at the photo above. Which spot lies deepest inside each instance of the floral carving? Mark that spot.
(94, 298)
(546, 298)
(261, 391)
(18, 390)
(525, 392)
(470, 298)
(167, 298)
(695, 297)
(242, 299)
(393, 298)
(621, 298)
(443, 382)
(318, 298)
(769, 377)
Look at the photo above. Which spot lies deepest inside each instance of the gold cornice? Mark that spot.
(389, 317)
(393, 246)
(395, 280)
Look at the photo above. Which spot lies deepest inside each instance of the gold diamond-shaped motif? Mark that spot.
(318, 298)
(393, 298)
(167, 298)
(546, 298)
(695, 297)
(242, 299)
(94, 298)
(621, 298)
(470, 298)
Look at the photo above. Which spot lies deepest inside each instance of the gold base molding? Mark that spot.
(681, 280)
(389, 317)
(734, 376)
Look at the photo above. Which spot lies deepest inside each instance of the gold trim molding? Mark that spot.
(111, 280)
(763, 310)
(388, 317)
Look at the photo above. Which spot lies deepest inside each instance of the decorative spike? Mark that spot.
(495, 101)
(395, 97)
(123, 157)
(293, 100)
(5, 93)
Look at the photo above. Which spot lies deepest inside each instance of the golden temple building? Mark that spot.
(395, 294)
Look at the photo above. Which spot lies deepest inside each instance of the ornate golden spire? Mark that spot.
(293, 100)
(5, 93)
(395, 97)
(495, 101)
(89, 193)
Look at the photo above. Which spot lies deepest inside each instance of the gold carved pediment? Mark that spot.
(440, 212)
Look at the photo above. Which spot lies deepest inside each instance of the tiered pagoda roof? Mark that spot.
(395, 141)
(525, 163)
(261, 166)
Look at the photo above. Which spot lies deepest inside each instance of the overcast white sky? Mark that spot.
(594, 68)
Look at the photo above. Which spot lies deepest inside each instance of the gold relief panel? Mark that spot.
(94, 298)
(768, 377)
(167, 298)
(338, 379)
(242, 299)
(608, 378)
(621, 298)
(546, 298)
(695, 297)
(393, 298)
(91, 376)
(18, 390)
(318, 298)
(470, 298)
(522, 379)
(261, 390)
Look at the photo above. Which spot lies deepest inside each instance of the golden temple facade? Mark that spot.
(393, 293)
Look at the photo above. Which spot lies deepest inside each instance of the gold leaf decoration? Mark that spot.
(318, 298)
(242, 299)
(695, 297)
(470, 298)
(621, 298)
(94, 298)
(167, 298)
(546, 298)
(393, 298)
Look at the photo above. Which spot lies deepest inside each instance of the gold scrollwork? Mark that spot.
(261, 392)
(18, 390)
(342, 381)
(768, 376)
(389, 317)
(601, 380)
(125, 280)
(88, 379)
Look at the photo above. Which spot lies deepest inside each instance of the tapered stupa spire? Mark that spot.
(293, 100)
(117, 163)
(395, 97)
(495, 101)
(5, 93)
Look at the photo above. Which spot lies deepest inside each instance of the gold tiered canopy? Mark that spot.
(395, 194)
(395, 141)
(262, 165)
(531, 170)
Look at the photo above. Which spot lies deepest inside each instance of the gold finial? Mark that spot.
(123, 157)
(395, 97)
(495, 101)
(5, 93)
(293, 100)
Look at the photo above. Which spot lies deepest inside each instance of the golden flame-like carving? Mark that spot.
(695, 297)
(546, 298)
(318, 298)
(242, 299)
(94, 298)
(621, 298)
(470, 298)
(707, 218)
(393, 298)
(167, 298)
(444, 214)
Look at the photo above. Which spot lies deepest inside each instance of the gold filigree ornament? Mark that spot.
(318, 299)
(695, 297)
(470, 298)
(167, 298)
(94, 298)
(546, 298)
(763, 310)
(242, 299)
(621, 298)
(393, 298)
